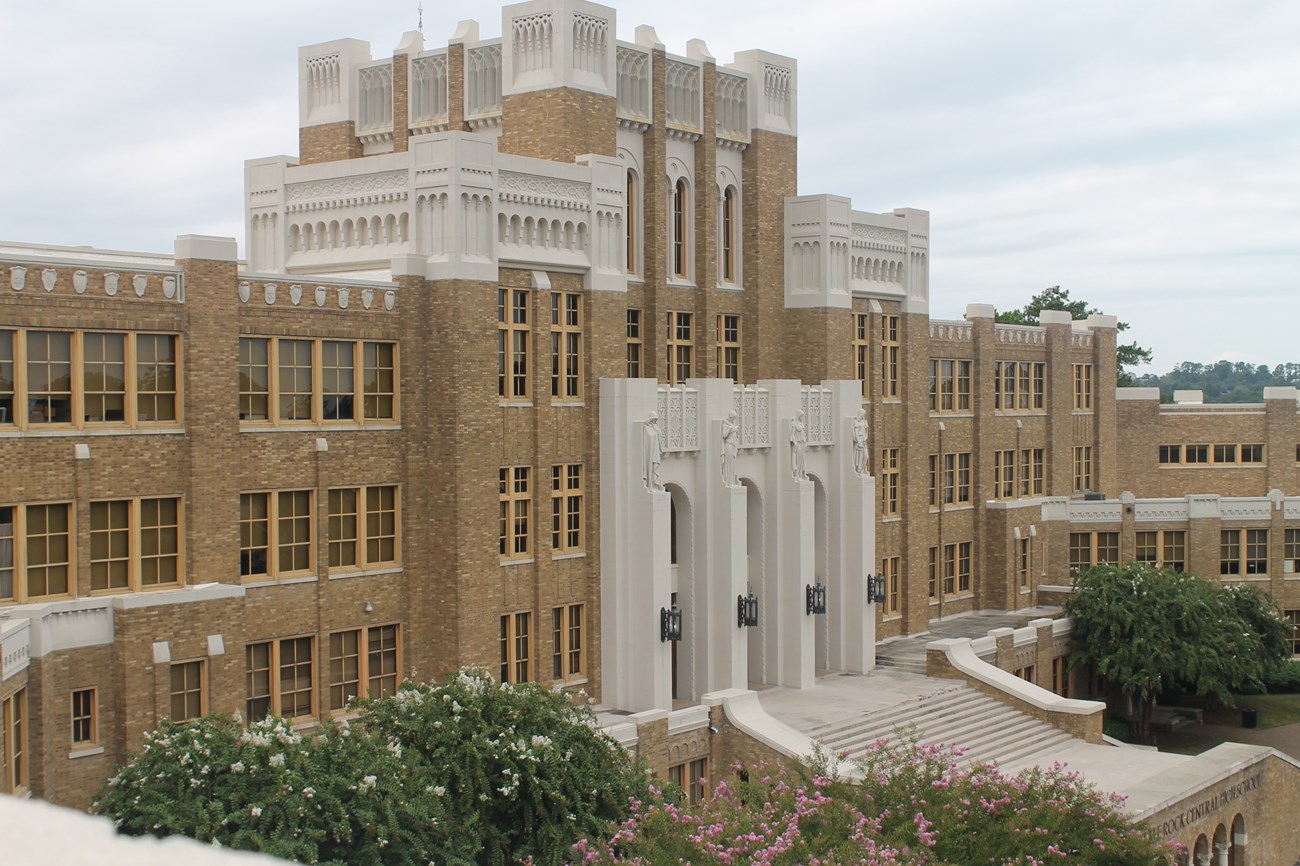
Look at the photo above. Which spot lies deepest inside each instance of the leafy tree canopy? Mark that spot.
(1055, 298)
(1147, 629)
(467, 772)
(1223, 381)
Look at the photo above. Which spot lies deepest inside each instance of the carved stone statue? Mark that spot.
(730, 448)
(798, 447)
(654, 452)
(860, 443)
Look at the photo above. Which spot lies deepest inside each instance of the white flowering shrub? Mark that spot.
(462, 773)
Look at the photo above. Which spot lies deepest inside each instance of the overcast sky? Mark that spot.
(1143, 155)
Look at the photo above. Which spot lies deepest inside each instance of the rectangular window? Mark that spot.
(634, 344)
(160, 539)
(964, 566)
(381, 524)
(279, 678)
(293, 530)
(516, 648)
(1083, 387)
(290, 513)
(1230, 552)
(254, 534)
(1081, 554)
(889, 349)
(566, 345)
(254, 379)
(354, 542)
(1107, 547)
(8, 553)
(893, 584)
(1004, 474)
(8, 379)
(949, 385)
(188, 699)
(1196, 454)
(1225, 453)
(1093, 548)
(1024, 561)
(13, 743)
(568, 653)
(155, 377)
(934, 572)
(379, 381)
(1171, 454)
(1256, 551)
(1293, 616)
(1146, 547)
(1061, 676)
(729, 347)
(949, 569)
(1082, 468)
(338, 380)
(85, 724)
(49, 377)
(890, 479)
(48, 549)
(124, 557)
(343, 528)
(1173, 549)
(512, 345)
(103, 371)
(1252, 453)
(515, 501)
(1019, 386)
(1290, 551)
(680, 348)
(110, 545)
(950, 479)
(566, 507)
(355, 673)
(691, 777)
(295, 379)
(862, 352)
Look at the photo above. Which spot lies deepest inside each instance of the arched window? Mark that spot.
(679, 229)
(729, 235)
(631, 202)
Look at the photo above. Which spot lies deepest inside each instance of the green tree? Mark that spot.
(467, 772)
(1055, 298)
(1147, 629)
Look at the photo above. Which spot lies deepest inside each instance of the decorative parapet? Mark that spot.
(1245, 508)
(73, 272)
(1096, 511)
(15, 646)
(819, 414)
(1154, 510)
(959, 332)
(679, 418)
(375, 102)
(731, 109)
(483, 85)
(634, 94)
(1081, 339)
(428, 92)
(273, 290)
(1023, 335)
(683, 100)
(753, 409)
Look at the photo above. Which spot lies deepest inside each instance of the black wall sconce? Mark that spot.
(747, 610)
(670, 623)
(815, 598)
(876, 588)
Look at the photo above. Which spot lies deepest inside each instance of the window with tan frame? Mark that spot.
(512, 346)
(566, 346)
(635, 344)
(1024, 561)
(135, 544)
(692, 778)
(13, 744)
(36, 552)
(568, 647)
(949, 385)
(363, 663)
(1243, 552)
(289, 380)
(1061, 676)
(633, 202)
(950, 479)
(1083, 478)
(275, 534)
(187, 690)
(362, 525)
(728, 360)
(730, 224)
(1093, 548)
(862, 352)
(889, 351)
(1019, 386)
(679, 243)
(1293, 617)
(1164, 547)
(280, 678)
(515, 500)
(566, 508)
(890, 481)
(85, 719)
(680, 344)
(516, 648)
(1083, 387)
(1291, 551)
(87, 379)
(890, 568)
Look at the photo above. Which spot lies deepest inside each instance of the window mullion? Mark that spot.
(317, 382)
(77, 360)
(20, 418)
(130, 413)
(273, 380)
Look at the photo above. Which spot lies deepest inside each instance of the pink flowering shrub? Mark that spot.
(913, 805)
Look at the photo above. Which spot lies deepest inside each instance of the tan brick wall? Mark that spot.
(558, 124)
(328, 142)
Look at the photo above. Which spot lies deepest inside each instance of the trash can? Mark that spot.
(1250, 718)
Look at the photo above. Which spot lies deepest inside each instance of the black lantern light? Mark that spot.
(815, 598)
(876, 588)
(670, 623)
(747, 610)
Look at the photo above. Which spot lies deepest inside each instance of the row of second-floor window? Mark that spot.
(1018, 386)
(887, 337)
(515, 504)
(1228, 454)
(87, 379)
(950, 570)
(277, 531)
(568, 660)
(312, 381)
(135, 544)
(680, 333)
(1241, 551)
(514, 342)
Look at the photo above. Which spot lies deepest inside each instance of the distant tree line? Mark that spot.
(1222, 382)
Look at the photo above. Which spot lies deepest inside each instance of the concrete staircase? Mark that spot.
(988, 731)
(908, 654)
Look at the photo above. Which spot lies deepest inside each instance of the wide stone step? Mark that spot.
(953, 701)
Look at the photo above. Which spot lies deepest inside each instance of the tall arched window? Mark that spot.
(632, 226)
(729, 235)
(679, 228)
